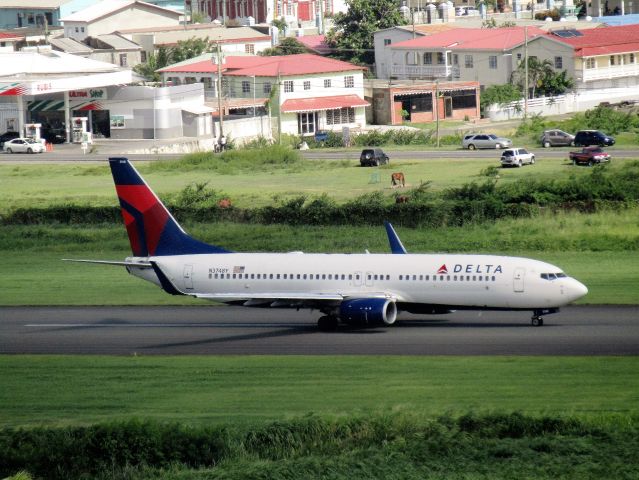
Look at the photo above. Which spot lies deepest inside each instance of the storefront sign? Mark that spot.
(88, 94)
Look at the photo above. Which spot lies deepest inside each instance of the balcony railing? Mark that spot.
(425, 71)
(617, 71)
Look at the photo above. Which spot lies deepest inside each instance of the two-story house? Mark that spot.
(484, 55)
(308, 92)
(598, 58)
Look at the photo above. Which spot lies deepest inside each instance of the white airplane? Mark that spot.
(360, 289)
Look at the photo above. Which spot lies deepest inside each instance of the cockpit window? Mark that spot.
(553, 276)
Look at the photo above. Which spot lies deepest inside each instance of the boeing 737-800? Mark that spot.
(361, 289)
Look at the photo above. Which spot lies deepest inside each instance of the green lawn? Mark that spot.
(42, 185)
(77, 390)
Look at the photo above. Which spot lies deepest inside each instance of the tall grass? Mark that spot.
(496, 445)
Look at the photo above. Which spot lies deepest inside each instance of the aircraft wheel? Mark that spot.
(537, 321)
(327, 323)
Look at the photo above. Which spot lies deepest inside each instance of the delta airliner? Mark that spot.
(356, 289)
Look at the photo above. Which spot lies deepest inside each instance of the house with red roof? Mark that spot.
(485, 55)
(598, 58)
(8, 41)
(308, 92)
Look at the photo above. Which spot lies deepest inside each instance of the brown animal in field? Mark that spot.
(401, 199)
(397, 180)
(225, 203)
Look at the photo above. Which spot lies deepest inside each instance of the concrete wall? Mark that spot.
(383, 57)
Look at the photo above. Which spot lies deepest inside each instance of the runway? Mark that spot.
(577, 330)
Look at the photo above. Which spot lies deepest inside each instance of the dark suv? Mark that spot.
(584, 138)
(373, 157)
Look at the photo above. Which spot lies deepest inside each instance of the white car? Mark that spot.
(516, 157)
(466, 11)
(23, 145)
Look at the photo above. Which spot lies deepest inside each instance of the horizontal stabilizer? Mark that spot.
(110, 262)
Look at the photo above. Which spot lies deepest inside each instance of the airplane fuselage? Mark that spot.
(463, 281)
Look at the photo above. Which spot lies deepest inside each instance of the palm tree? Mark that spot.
(537, 72)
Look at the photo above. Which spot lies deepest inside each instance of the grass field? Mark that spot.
(53, 390)
(42, 185)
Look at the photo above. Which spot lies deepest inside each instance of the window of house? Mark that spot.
(143, 56)
(492, 62)
(349, 81)
(428, 58)
(387, 41)
(518, 57)
(31, 20)
(455, 59)
(441, 60)
(246, 86)
(340, 115)
(411, 58)
(307, 84)
(468, 61)
(249, 48)
(288, 86)
(559, 62)
(631, 58)
(82, 29)
(612, 60)
(266, 88)
(590, 62)
(327, 83)
(77, 29)
(123, 60)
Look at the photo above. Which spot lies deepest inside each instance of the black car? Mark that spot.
(585, 138)
(6, 136)
(54, 135)
(373, 157)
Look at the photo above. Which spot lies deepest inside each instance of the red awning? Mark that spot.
(322, 103)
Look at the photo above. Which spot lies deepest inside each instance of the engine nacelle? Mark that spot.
(368, 311)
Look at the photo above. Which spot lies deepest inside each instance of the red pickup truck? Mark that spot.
(589, 156)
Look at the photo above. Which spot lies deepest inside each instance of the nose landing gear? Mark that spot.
(537, 320)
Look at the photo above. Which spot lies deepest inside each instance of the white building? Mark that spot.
(108, 16)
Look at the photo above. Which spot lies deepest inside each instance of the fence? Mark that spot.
(571, 102)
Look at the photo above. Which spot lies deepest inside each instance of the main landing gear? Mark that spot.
(328, 323)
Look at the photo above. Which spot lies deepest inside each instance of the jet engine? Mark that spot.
(368, 311)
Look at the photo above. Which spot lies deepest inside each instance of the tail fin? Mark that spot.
(152, 229)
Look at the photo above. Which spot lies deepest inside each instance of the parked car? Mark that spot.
(557, 138)
(373, 157)
(517, 157)
(589, 156)
(485, 140)
(23, 145)
(54, 135)
(466, 11)
(6, 136)
(583, 138)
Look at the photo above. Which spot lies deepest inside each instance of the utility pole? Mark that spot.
(525, 72)
(279, 107)
(437, 110)
(219, 89)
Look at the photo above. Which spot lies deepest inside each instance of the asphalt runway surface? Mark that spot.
(576, 330)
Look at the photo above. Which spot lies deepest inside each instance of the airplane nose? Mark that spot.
(578, 289)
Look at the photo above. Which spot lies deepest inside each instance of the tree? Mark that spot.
(153, 63)
(542, 78)
(190, 48)
(288, 46)
(500, 94)
(352, 35)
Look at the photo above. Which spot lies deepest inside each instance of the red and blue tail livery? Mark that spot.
(151, 228)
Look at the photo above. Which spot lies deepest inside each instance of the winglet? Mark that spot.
(395, 243)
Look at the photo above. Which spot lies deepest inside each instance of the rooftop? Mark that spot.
(473, 39)
(102, 9)
(286, 65)
(600, 41)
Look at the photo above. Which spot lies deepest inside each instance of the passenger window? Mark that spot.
(330, 276)
(441, 278)
(481, 278)
(434, 278)
(474, 278)
(427, 277)
(448, 278)
(304, 276)
(369, 276)
(461, 278)
(323, 276)
(493, 278)
(414, 277)
(343, 277)
(356, 277)
(375, 277)
(401, 277)
(455, 278)
(350, 276)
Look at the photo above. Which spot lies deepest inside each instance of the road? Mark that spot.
(72, 155)
(576, 330)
